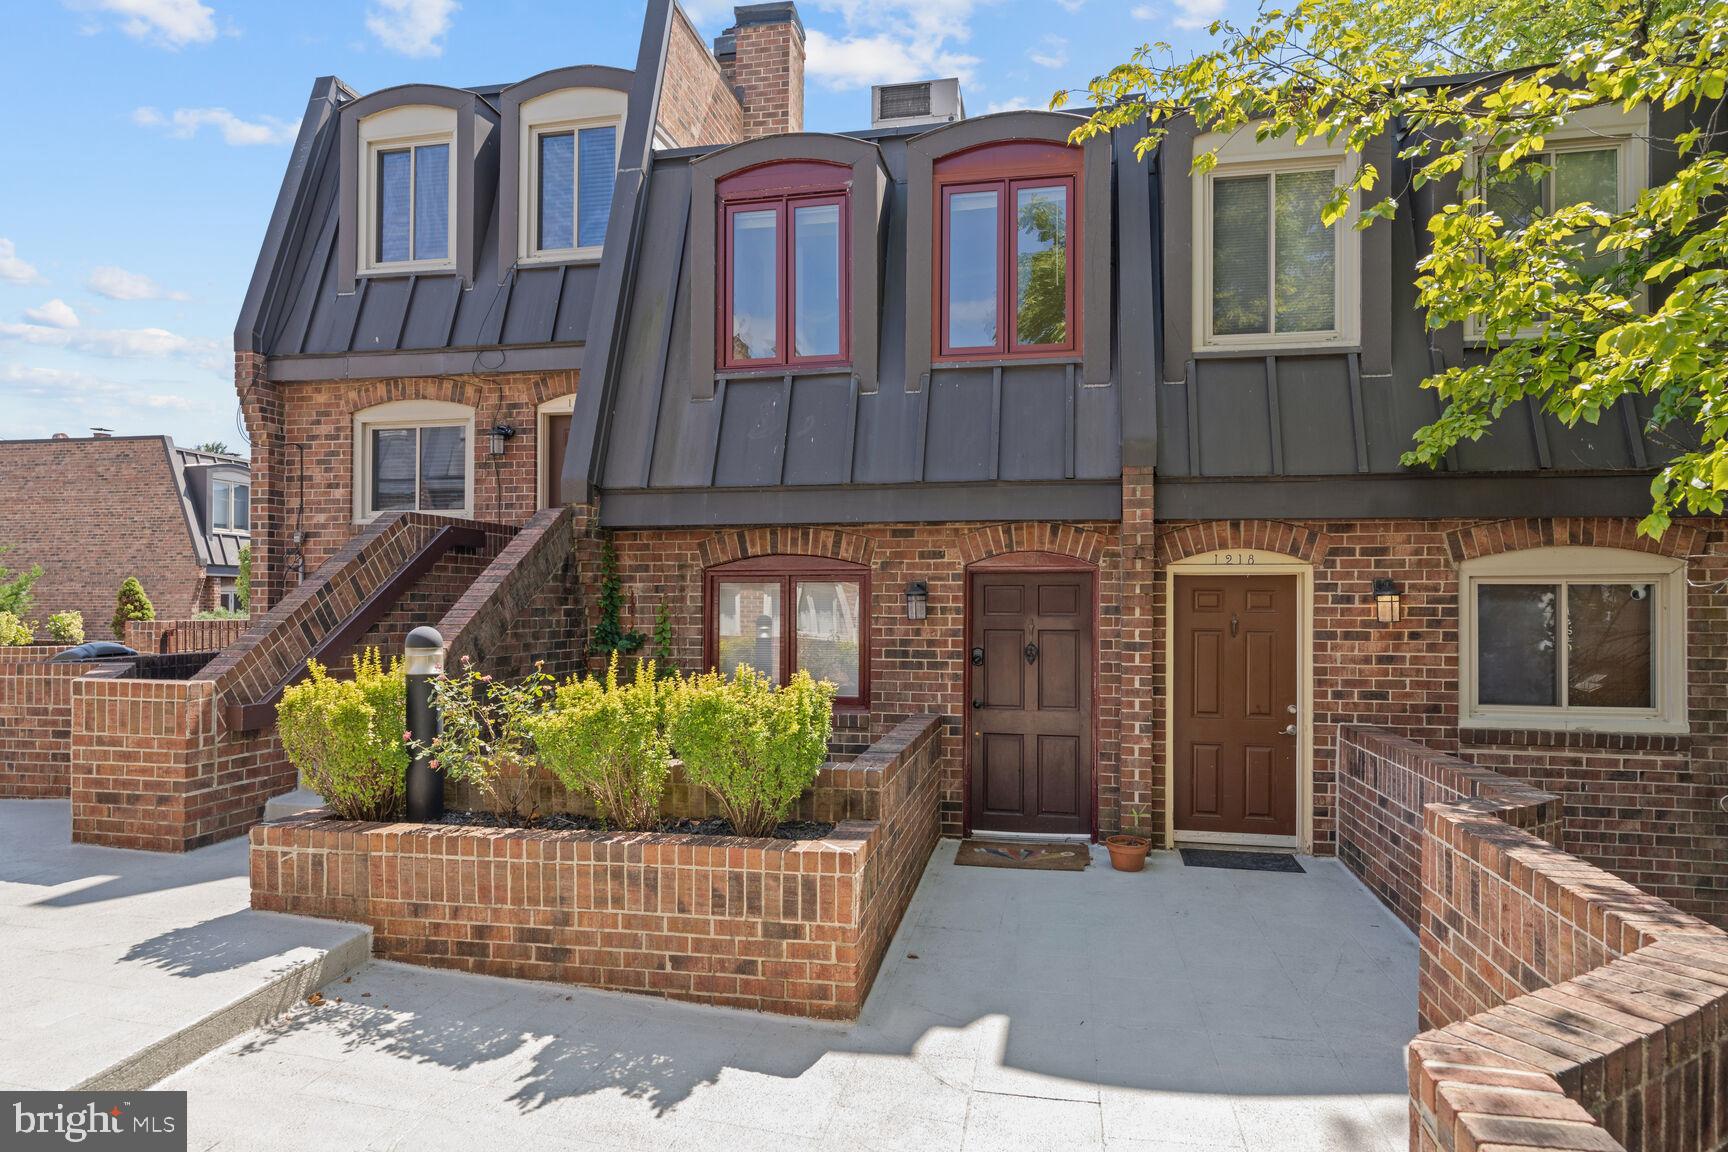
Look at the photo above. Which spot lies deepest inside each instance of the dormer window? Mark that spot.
(1007, 257)
(783, 266)
(407, 195)
(568, 152)
(230, 506)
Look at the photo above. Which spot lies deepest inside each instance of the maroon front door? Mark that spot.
(1234, 707)
(1031, 708)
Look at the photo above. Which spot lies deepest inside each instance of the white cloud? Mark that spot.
(1142, 12)
(168, 23)
(1071, 5)
(1198, 13)
(1012, 104)
(55, 313)
(119, 284)
(184, 123)
(114, 343)
(82, 390)
(1054, 53)
(411, 27)
(892, 41)
(13, 268)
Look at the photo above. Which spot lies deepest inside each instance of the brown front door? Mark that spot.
(1234, 708)
(557, 439)
(1031, 705)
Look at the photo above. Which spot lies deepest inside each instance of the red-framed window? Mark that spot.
(778, 614)
(784, 266)
(1007, 259)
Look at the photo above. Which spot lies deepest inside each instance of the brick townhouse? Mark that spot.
(92, 511)
(1093, 456)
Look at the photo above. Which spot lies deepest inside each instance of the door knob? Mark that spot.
(979, 704)
(1289, 729)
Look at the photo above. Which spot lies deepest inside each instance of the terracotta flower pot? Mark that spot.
(1127, 853)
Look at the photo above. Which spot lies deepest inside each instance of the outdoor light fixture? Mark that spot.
(1388, 602)
(917, 600)
(423, 660)
(497, 438)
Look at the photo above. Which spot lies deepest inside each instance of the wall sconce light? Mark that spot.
(497, 438)
(1388, 602)
(917, 600)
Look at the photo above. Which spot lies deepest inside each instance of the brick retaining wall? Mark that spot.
(1566, 1008)
(36, 722)
(164, 636)
(797, 927)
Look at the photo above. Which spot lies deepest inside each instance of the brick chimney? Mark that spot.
(762, 57)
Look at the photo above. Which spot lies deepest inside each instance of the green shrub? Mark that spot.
(219, 614)
(14, 630)
(606, 740)
(15, 587)
(485, 741)
(243, 580)
(66, 627)
(348, 737)
(131, 604)
(755, 747)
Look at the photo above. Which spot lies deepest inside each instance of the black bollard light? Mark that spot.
(423, 656)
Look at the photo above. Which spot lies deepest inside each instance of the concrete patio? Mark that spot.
(1180, 1010)
(122, 966)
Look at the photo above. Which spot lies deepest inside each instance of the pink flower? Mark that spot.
(432, 764)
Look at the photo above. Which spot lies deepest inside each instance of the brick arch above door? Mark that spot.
(1298, 541)
(1474, 541)
(1062, 539)
(832, 543)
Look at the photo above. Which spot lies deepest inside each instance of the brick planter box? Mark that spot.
(36, 722)
(796, 927)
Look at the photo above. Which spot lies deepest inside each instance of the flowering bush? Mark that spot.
(757, 748)
(485, 741)
(607, 739)
(347, 736)
(66, 627)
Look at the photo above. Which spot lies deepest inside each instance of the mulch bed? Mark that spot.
(565, 822)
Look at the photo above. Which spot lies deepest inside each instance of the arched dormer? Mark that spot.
(561, 132)
(959, 178)
(417, 173)
(842, 185)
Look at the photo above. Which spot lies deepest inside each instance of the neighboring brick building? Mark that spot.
(93, 511)
(1074, 476)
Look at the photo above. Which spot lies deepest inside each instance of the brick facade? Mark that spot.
(1566, 1008)
(796, 927)
(766, 68)
(92, 512)
(164, 636)
(697, 104)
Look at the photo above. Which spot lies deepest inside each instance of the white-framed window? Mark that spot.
(1600, 157)
(1268, 273)
(230, 506)
(415, 456)
(569, 150)
(1565, 638)
(407, 190)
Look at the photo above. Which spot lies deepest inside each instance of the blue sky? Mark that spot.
(148, 140)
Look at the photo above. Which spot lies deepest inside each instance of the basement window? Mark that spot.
(414, 456)
(1574, 638)
(780, 614)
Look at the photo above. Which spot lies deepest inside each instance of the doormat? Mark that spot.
(1042, 857)
(1241, 861)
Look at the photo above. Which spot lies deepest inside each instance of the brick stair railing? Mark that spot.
(1567, 1009)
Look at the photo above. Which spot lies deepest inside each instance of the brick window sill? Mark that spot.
(1599, 741)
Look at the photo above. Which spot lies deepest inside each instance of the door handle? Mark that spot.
(1289, 730)
(979, 704)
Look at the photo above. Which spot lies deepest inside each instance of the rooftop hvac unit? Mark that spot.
(924, 102)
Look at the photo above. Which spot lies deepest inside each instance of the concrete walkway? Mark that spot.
(120, 967)
(1179, 1010)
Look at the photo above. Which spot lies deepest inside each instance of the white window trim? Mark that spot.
(1589, 130)
(1559, 565)
(410, 414)
(229, 530)
(566, 110)
(387, 131)
(557, 406)
(1240, 155)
